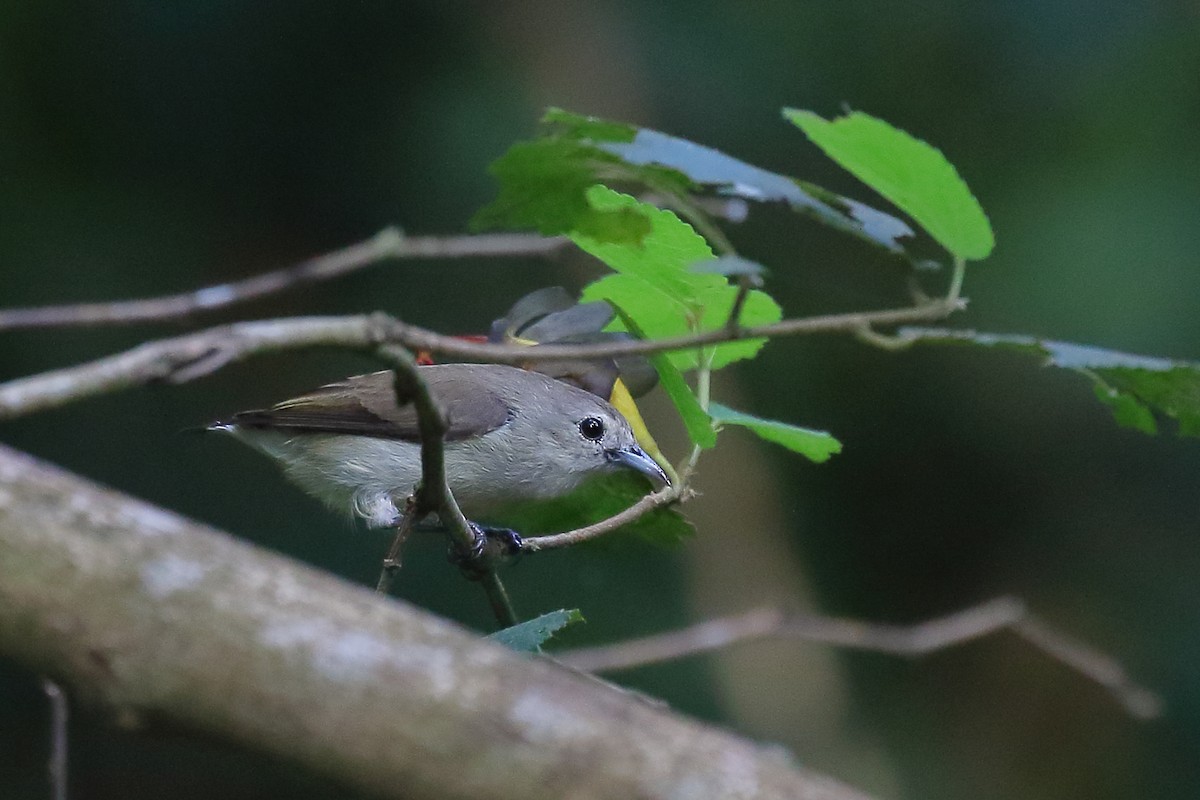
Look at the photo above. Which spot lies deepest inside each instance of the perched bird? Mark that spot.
(515, 438)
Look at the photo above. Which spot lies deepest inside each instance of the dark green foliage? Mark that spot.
(1135, 388)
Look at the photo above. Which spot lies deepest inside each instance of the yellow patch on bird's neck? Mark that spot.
(622, 401)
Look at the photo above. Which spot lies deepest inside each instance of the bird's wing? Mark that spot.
(366, 405)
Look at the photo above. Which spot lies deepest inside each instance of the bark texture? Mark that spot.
(155, 616)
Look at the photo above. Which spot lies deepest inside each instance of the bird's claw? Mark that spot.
(490, 548)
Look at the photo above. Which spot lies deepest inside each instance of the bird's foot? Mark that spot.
(492, 547)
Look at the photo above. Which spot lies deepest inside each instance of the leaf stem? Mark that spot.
(956, 281)
(703, 397)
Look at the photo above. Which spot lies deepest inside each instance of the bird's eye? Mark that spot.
(591, 428)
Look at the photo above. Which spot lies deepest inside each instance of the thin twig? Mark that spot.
(703, 637)
(909, 641)
(884, 341)
(392, 560)
(663, 497)
(745, 284)
(420, 339)
(56, 765)
(434, 495)
(388, 244)
(502, 606)
(1104, 670)
(184, 358)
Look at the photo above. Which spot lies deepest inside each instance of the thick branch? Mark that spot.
(389, 243)
(142, 611)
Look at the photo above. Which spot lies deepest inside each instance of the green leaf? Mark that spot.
(661, 259)
(914, 176)
(1135, 388)
(1128, 411)
(528, 637)
(543, 182)
(579, 127)
(657, 288)
(542, 187)
(661, 317)
(816, 446)
(695, 420)
(706, 167)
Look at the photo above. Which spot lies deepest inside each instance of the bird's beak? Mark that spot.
(637, 458)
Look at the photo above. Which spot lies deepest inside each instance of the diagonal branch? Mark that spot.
(908, 641)
(160, 618)
(181, 359)
(661, 498)
(184, 358)
(386, 245)
(424, 340)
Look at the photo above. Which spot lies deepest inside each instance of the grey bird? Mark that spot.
(515, 437)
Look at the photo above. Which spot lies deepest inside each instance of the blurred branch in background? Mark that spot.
(388, 244)
(909, 641)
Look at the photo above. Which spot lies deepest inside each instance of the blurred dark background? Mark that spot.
(154, 147)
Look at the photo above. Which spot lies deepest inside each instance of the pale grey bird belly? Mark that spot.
(372, 477)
